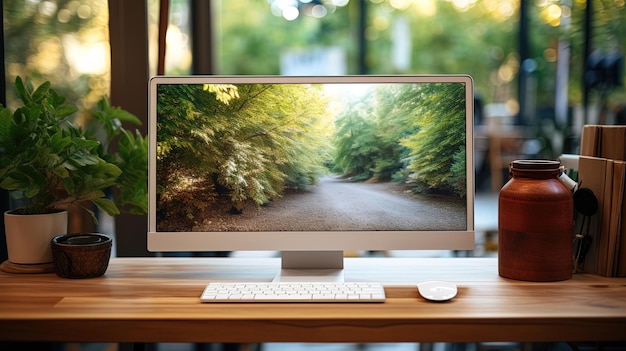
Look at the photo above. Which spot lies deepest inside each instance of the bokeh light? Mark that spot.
(293, 9)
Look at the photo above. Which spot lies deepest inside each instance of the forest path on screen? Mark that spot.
(337, 204)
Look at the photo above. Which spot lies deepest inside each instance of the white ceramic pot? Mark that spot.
(28, 236)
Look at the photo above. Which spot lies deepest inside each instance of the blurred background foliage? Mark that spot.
(476, 37)
(66, 42)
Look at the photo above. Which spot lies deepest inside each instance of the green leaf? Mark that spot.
(126, 116)
(41, 92)
(106, 205)
(82, 159)
(55, 99)
(62, 172)
(107, 168)
(21, 90)
(31, 191)
(103, 104)
(66, 110)
(10, 183)
(59, 143)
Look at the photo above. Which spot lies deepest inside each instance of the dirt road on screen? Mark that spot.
(337, 204)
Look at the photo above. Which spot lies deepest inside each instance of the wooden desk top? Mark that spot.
(157, 300)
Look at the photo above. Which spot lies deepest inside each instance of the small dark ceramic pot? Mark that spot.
(84, 255)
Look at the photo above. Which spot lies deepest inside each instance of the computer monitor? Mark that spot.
(311, 166)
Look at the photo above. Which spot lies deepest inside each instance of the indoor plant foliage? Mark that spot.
(49, 163)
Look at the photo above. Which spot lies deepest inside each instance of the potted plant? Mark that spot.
(49, 163)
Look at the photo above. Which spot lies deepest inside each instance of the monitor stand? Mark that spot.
(311, 266)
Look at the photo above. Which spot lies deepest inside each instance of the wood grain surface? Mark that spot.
(157, 300)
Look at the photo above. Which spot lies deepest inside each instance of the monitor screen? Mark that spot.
(310, 163)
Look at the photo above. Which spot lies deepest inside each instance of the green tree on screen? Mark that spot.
(437, 156)
(246, 142)
(409, 133)
(356, 144)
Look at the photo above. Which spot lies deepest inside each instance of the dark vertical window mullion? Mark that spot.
(202, 37)
(129, 89)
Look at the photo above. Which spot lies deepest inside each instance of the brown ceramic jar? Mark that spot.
(535, 223)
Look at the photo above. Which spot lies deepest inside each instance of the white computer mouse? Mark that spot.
(436, 290)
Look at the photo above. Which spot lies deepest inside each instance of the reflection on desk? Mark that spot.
(157, 300)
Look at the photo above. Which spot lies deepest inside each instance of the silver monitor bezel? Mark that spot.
(309, 240)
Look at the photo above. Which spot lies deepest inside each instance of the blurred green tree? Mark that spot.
(62, 41)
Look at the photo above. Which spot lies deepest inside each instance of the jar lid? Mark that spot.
(536, 164)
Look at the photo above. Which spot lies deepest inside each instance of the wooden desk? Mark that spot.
(156, 300)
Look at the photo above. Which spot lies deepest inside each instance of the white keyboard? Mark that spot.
(293, 292)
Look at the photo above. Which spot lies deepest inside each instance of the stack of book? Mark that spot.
(602, 169)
